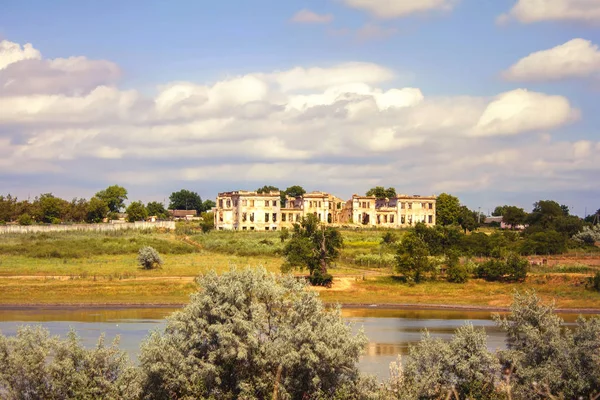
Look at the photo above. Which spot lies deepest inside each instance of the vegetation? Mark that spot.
(207, 222)
(157, 209)
(512, 268)
(313, 246)
(114, 196)
(247, 334)
(188, 200)
(382, 193)
(447, 209)
(149, 258)
(413, 258)
(136, 211)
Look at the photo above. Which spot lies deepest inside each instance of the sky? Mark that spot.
(496, 102)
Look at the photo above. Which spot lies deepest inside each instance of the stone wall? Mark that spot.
(4, 229)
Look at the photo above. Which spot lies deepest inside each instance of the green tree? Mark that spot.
(499, 211)
(50, 209)
(513, 216)
(412, 259)
(284, 234)
(249, 333)
(292, 191)
(114, 196)
(7, 208)
(545, 213)
(136, 212)
(97, 210)
(467, 219)
(447, 209)
(76, 210)
(186, 200)
(208, 205)
(267, 189)
(25, 219)
(313, 246)
(207, 222)
(157, 209)
(382, 193)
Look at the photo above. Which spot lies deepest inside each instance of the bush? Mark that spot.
(594, 282)
(389, 237)
(458, 273)
(512, 268)
(321, 279)
(25, 219)
(149, 258)
(546, 242)
(589, 236)
(375, 260)
(245, 333)
(34, 365)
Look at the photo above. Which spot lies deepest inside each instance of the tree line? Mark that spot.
(250, 334)
(105, 204)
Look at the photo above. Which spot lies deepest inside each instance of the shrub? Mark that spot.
(25, 219)
(321, 279)
(34, 365)
(375, 260)
(245, 333)
(594, 282)
(589, 236)
(511, 268)
(546, 242)
(458, 273)
(149, 258)
(389, 237)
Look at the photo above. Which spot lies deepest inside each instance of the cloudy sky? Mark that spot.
(494, 101)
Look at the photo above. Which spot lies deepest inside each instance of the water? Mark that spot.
(390, 332)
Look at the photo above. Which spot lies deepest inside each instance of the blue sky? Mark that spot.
(337, 95)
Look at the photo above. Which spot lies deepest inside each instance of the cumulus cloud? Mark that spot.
(529, 11)
(310, 17)
(24, 72)
(578, 58)
(520, 111)
(395, 9)
(339, 127)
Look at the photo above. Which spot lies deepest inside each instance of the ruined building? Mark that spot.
(244, 210)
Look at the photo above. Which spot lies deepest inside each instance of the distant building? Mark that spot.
(188, 215)
(245, 210)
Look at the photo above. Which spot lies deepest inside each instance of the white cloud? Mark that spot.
(338, 128)
(578, 58)
(520, 111)
(529, 11)
(310, 17)
(23, 72)
(400, 8)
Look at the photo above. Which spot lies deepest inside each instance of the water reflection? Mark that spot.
(390, 332)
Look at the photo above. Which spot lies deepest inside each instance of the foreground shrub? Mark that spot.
(34, 365)
(149, 258)
(246, 333)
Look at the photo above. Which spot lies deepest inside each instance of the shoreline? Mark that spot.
(380, 306)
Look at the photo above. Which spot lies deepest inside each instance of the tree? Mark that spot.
(467, 219)
(292, 191)
(50, 209)
(381, 193)
(247, 334)
(136, 212)
(157, 209)
(76, 210)
(447, 209)
(284, 234)
(513, 216)
(97, 210)
(267, 189)
(412, 259)
(114, 196)
(186, 200)
(207, 222)
(499, 211)
(34, 365)
(312, 246)
(208, 205)
(148, 258)
(545, 213)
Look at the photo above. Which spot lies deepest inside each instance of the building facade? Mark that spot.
(245, 210)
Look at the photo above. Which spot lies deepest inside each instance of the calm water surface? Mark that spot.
(390, 332)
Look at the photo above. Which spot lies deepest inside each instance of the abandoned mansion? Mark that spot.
(244, 210)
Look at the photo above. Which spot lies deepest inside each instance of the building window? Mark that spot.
(410, 206)
(385, 219)
(251, 217)
(282, 217)
(274, 217)
(220, 217)
(228, 203)
(431, 206)
(274, 203)
(266, 217)
(235, 203)
(319, 204)
(266, 228)
(402, 219)
(244, 203)
(220, 203)
(401, 206)
(244, 228)
(274, 228)
(378, 219)
(391, 219)
(266, 203)
(244, 217)
(251, 228)
(431, 219)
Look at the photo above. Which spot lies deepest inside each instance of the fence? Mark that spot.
(5, 229)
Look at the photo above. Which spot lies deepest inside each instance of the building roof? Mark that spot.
(183, 213)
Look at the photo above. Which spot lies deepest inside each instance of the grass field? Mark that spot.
(93, 267)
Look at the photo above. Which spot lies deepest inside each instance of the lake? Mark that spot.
(390, 332)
